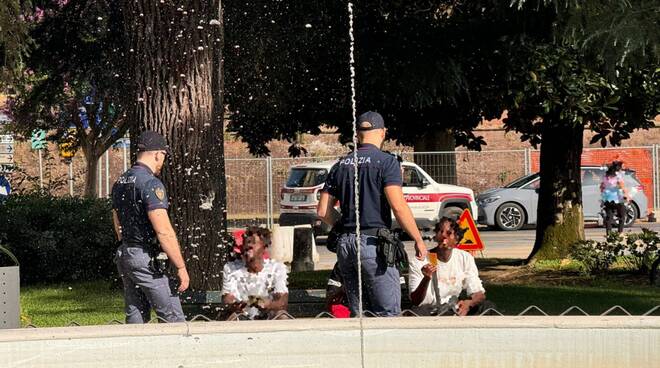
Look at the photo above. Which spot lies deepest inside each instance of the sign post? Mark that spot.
(99, 163)
(38, 143)
(67, 148)
(71, 177)
(41, 171)
(107, 173)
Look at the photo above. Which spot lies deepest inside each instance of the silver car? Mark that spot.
(514, 205)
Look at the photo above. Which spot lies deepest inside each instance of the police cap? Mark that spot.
(152, 141)
(370, 120)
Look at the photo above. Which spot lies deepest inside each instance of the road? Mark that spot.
(498, 244)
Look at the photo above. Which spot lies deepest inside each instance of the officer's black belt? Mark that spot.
(372, 231)
(140, 245)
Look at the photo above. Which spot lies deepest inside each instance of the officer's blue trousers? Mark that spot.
(381, 284)
(144, 288)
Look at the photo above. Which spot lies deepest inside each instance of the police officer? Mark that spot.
(379, 176)
(139, 203)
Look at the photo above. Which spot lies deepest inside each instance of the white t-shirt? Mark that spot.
(247, 287)
(459, 273)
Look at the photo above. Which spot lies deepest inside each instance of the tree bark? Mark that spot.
(174, 61)
(441, 167)
(560, 221)
(92, 174)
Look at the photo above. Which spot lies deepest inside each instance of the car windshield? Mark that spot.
(522, 181)
(306, 177)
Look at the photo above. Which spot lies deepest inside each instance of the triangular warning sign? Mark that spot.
(471, 239)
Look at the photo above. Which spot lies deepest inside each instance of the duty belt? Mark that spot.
(146, 246)
(372, 231)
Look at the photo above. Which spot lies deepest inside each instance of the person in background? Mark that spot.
(614, 196)
(254, 287)
(436, 283)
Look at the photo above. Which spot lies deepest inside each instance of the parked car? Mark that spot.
(514, 205)
(427, 199)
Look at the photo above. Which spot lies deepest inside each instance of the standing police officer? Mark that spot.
(141, 222)
(379, 176)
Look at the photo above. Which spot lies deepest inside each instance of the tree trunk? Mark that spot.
(442, 166)
(559, 214)
(174, 62)
(92, 173)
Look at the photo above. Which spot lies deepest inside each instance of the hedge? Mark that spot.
(58, 239)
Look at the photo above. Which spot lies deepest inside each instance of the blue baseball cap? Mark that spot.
(152, 141)
(370, 120)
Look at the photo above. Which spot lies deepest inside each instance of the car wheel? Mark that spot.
(632, 213)
(452, 212)
(510, 217)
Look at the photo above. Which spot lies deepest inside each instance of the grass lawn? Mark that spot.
(97, 302)
(88, 303)
(594, 299)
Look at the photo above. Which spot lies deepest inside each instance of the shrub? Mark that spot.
(641, 250)
(636, 251)
(594, 257)
(59, 239)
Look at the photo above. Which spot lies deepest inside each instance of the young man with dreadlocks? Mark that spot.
(437, 282)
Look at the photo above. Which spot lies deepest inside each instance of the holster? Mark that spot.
(391, 249)
(156, 264)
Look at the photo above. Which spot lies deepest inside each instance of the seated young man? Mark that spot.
(254, 287)
(454, 270)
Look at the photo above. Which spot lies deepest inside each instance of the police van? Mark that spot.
(427, 199)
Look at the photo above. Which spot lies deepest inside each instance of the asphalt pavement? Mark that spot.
(498, 244)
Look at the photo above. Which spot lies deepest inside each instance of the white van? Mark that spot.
(427, 199)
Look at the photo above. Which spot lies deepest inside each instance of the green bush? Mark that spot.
(594, 257)
(58, 239)
(637, 251)
(641, 250)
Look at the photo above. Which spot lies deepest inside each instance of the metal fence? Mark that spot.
(531, 310)
(254, 184)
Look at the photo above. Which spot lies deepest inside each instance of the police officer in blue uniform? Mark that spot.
(143, 228)
(379, 175)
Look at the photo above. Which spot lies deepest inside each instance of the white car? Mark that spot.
(427, 199)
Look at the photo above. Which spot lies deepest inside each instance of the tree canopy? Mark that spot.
(71, 81)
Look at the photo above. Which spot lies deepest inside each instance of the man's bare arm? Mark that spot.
(465, 305)
(116, 224)
(168, 242)
(166, 236)
(325, 207)
(280, 302)
(405, 218)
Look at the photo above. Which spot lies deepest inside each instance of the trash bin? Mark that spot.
(9, 293)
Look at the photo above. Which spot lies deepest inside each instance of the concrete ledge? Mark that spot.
(493, 341)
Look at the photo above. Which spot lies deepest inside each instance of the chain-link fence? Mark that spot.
(254, 184)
